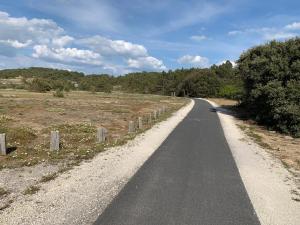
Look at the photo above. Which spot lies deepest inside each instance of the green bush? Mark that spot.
(59, 93)
(231, 92)
(271, 75)
(39, 85)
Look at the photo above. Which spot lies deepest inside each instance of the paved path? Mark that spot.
(191, 179)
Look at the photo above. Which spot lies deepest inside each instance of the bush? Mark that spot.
(59, 93)
(39, 85)
(231, 92)
(271, 75)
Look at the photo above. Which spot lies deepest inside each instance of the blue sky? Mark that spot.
(121, 36)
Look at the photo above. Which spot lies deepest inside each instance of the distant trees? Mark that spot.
(271, 75)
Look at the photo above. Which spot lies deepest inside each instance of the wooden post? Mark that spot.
(54, 141)
(140, 124)
(3, 144)
(101, 134)
(131, 127)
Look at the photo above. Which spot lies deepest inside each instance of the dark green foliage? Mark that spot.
(202, 83)
(271, 75)
(96, 83)
(39, 72)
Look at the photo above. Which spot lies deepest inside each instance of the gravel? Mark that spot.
(80, 195)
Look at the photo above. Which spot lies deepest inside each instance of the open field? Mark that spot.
(27, 119)
(286, 148)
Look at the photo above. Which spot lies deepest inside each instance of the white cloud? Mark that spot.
(268, 33)
(109, 47)
(62, 41)
(278, 35)
(91, 14)
(15, 43)
(234, 32)
(293, 26)
(67, 55)
(196, 60)
(147, 62)
(198, 37)
(23, 29)
(45, 41)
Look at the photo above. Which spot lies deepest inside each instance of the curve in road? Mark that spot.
(191, 179)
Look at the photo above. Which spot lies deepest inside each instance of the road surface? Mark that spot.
(191, 179)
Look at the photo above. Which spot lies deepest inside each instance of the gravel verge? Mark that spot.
(270, 186)
(80, 195)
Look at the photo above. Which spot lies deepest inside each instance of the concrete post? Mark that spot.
(154, 115)
(150, 118)
(140, 124)
(3, 144)
(131, 128)
(101, 134)
(54, 141)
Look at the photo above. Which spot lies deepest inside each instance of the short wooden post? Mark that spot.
(3, 144)
(131, 127)
(101, 134)
(140, 124)
(54, 141)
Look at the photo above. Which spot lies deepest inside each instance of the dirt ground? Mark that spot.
(27, 119)
(284, 147)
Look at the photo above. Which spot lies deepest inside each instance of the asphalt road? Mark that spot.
(191, 179)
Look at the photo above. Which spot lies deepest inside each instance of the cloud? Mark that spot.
(147, 62)
(268, 33)
(196, 60)
(15, 43)
(43, 40)
(109, 47)
(293, 26)
(91, 14)
(24, 30)
(62, 41)
(67, 55)
(198, 37)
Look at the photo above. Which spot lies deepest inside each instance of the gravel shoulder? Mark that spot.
(80, 195)
(270, 186)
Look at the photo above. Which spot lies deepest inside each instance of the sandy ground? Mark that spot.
(80, 195)
(269, 184)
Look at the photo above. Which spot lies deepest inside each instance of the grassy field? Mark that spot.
(27, 119)
(286, 148)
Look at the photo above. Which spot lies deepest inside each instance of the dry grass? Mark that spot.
(286, 148)
(3, 192)
(32, 190)
(27, 118)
